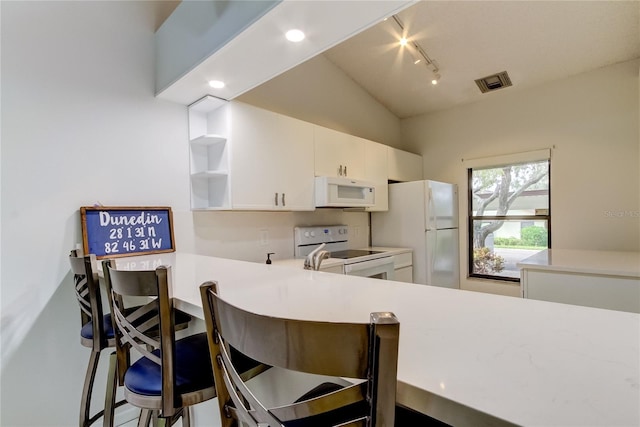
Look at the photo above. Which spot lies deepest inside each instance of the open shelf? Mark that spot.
(210, 174)
(210, 139)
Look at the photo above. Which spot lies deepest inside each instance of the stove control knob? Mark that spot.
(306, 234)
(313, 234)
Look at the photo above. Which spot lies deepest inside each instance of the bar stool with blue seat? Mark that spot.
(172, 374)
(96, 335)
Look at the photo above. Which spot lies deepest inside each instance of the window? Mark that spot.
(509, 217)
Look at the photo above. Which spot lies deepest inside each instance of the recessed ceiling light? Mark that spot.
(403, 41)
(216, 84)
(294, 35)
(436, 79)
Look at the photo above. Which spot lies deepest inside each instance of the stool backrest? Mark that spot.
(87, 289)
(145, 328)
(365, 351)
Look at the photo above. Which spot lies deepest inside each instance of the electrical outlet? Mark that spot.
(264, 237)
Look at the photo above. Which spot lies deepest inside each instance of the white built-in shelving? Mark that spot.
(209, 153)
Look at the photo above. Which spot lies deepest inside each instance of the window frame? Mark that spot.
(471, 218)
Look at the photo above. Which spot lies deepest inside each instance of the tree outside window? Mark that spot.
(509, 216)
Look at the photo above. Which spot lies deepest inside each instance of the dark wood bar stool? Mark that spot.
(171, 375)
(367, 352)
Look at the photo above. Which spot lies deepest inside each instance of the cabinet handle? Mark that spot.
(283, 203)
(345, 170)
(340, 171)
(276, 199)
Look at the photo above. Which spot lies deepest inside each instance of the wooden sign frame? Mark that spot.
(120, 231)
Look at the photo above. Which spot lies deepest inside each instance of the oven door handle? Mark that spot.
(366, 265)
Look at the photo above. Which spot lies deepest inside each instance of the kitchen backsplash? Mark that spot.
(249, 236)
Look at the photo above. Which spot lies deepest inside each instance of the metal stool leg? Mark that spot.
(145, 418)
(110, 395)
(85, 402)
(186, 416)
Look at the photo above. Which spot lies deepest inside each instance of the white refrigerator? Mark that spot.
(423, 216)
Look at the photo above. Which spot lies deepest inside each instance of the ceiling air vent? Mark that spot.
(494, 82)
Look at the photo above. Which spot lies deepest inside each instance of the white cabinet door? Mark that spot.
(404, 166)
(338, 154)
(590, 290)
(376, 172)
(404, 274)
(338, 269)
(294, 165)
(271, 160)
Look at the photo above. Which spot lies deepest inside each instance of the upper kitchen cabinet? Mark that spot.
(376, 171)
(403, 166)
(339, 154)
(272, 161)
(246, 158)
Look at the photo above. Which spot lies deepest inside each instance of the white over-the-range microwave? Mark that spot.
(339, 192)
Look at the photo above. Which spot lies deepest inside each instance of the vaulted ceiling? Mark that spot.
(534, 41)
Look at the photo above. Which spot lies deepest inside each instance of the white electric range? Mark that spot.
(356, 262)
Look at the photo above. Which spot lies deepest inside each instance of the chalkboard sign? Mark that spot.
(111, 232)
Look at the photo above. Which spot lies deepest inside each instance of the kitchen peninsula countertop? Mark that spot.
(613, 263)
(467, 358)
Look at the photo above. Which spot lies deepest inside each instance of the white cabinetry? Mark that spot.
(272, 160)
(403, 166)
(402, 262)
(603, 279)
(338, 154)
(375, 166)
(209, 154)
(246, 158)
(591, 290)
(403, 267)
(343, 155)
(337, 269)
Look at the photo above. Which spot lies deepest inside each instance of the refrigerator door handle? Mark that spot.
(434, 252)
(433, 217)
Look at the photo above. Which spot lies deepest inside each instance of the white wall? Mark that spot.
(319, 92)
(591, 123)
(81, 126)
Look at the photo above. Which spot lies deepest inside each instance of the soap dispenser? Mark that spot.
(269, 257)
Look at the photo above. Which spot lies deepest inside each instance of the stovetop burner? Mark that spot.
(352, 253)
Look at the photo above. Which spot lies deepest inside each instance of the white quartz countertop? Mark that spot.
(468, 358)
(614, 263)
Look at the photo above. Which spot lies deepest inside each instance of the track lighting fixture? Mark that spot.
(417, 52)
